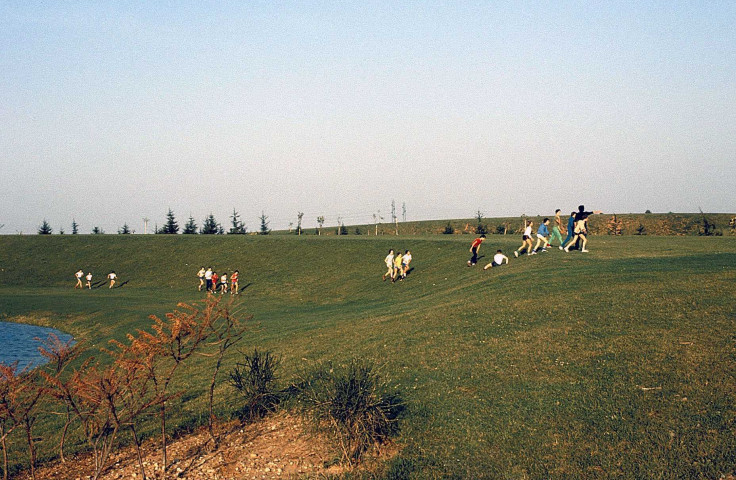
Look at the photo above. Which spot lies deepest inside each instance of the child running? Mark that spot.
(215, 279)
(200, 275)
(581, 219)
(112, 276)
(234, 286)
(542, 233)
(397, 267)
(557, 229)
(570, 230)
(208, 279)
(89, 280)
(223, 284)
(405, 261)
(389, 260)
(526, 240)
(79, 275)
(474, 249)
(498, 259)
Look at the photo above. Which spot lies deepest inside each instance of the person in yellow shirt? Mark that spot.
(397, 267)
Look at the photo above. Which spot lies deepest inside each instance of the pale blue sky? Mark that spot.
(115, 111)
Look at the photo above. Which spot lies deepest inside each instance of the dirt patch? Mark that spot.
(273, 448)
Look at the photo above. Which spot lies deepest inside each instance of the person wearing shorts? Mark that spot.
(89, 281)
(79, 275)
(474, 249)
(215, 279)
(234, 286)
(542, 233)
(223, 284)
(581, 219)
(112, 276)
(200, 275)
(498, 259)
(526, 240)
(405, 261)
(389, 261)
(397, 267)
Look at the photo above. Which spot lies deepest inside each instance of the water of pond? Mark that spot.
(19, 343)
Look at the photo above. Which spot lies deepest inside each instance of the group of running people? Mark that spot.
(212, 282)
(397, 265)
(576, 232)
(112, 277)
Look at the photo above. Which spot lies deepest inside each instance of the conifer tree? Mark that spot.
(124, 230)
(264, 225)
(237, 226)
(170, 227)
(75, 227)
(191, 227)
(45, 228)
(209, 227)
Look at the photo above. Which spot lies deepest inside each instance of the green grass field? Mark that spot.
(620, 363)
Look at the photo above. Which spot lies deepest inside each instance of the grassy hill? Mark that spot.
(617, 363)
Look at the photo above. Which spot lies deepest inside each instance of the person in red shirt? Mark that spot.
(474, 248)
(234, 281)
(215, 278)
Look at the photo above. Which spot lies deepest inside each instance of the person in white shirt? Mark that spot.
(405, 261)
(89, 280)
(208, 278)
(389, 260)
(498, 259)
(112, 276)
(526, 240)
(223, 284)
(79, 275)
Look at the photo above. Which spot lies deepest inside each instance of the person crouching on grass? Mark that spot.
(474, 249)
(542, 234)
(526, 240)
(498, 259)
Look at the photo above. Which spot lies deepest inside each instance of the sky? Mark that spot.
(111, 112)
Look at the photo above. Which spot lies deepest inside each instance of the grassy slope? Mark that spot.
(529, 371)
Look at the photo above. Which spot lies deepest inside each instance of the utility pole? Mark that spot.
(145, 225)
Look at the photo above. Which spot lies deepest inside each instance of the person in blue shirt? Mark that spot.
(570, 230)
(542, 234)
